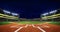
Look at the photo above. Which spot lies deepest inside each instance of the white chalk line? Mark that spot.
(46, 26)
(14, 26)
(20, 28)
(39, 28)
(33, 25)
(26, 26)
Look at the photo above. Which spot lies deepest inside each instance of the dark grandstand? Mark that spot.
(5, 19)
(58, 12)
(1, 11)
(53, 19)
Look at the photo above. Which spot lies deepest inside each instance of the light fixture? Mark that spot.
(14, 14)
(53, 11)
(45, 14)
(5, 11)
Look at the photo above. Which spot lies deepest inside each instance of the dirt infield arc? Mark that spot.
(29, 28)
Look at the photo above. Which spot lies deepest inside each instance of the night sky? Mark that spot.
(30, 8)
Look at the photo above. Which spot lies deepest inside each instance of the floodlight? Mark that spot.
(45, 14)
(6, 11)
(53, 11)
(15, 14)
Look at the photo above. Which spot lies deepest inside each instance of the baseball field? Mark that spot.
(30, 26)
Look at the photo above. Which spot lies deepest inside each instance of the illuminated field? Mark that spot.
(30, 22)
(29, 26)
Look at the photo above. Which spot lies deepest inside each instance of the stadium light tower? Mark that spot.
(5, 11)
(53, 12)
(44, 15)
(15, 14)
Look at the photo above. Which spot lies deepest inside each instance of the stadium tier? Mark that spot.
(53, 16)
(4, 16)
(7, 16)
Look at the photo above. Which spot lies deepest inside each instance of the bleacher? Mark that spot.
(54, 16)
(9, 17)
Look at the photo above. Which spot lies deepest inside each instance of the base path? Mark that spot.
(29, 28)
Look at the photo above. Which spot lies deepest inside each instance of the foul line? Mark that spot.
(26, 25)
(33, 25)
(18, 29)
(39, 28)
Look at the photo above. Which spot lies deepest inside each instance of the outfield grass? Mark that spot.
(3, 23)
(22, 22)
(56, 23)
(30, 22)
(38, 22)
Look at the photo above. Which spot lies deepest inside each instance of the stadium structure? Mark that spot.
(25, 19)
(7, 15)
(29, 25)
(51, 16)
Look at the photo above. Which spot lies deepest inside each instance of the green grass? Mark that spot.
(30, 22)
(39, 22)
(56, 23)
(3, 23)
(27, 22)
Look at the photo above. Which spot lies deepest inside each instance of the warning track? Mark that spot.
(29, 28)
